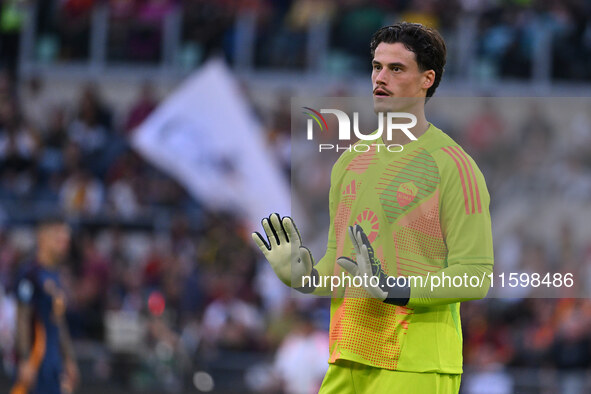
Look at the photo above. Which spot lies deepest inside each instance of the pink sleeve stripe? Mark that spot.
(456, 150)
(476, 184)
(461, 178)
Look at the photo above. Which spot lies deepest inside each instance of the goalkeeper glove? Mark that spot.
(368, 266)
(284, 251)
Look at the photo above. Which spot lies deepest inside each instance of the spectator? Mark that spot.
(81, 194)
(300, 363)
(39, 106)
(145, 103)
(87, 132)
(123, 200)
(74, 28)
(229, 322)
(18, 150)
(11, 22)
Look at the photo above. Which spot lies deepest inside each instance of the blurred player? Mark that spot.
(46, 361)
(421, 212)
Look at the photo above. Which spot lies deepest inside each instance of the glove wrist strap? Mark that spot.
(398, 295)
(309, 287)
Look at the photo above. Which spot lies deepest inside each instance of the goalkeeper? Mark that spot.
(422, 212)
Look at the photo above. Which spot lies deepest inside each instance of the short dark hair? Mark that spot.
(426, 43)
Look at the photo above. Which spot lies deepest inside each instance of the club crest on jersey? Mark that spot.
(406, 193)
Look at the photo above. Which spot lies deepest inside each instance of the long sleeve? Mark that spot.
(466, 226)
(326, 264)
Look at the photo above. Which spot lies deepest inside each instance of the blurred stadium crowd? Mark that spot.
(195, 283)
(151, 267)
(495, 38)
(191, 281)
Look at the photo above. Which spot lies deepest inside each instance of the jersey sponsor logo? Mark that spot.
(368, 220)
(406, 193)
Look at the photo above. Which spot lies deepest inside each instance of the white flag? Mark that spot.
(205, 136)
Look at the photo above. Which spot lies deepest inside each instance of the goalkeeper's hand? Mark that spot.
(368, 266)
(290, 260)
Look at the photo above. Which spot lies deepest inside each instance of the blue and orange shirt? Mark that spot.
(40, 288)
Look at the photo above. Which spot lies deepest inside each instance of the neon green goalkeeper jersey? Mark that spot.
(426, 212)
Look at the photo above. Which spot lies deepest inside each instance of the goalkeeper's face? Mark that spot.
(396, 78)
